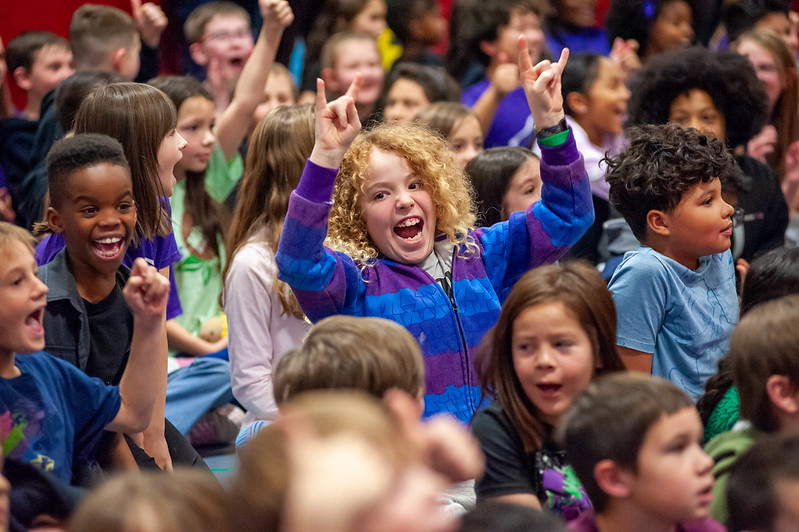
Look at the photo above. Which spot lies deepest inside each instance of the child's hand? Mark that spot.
(762, 144)
(337, 124)
(146, 291)
(442, 442)
(277, 14)
(542, 86)
(625, 54)
(505, 77)
(150, 20)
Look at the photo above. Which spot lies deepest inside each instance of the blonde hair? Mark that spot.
(182, 501)
(278, 147)
(12, 233)
(431, 159)
(368, 354)
(258, 494)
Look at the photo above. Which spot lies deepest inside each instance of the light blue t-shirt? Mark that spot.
(684, 317)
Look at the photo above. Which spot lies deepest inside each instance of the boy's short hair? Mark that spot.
(11, 233)
(95, 31)
(764, 343)
(753, 501)
(76, 152)
(659, 165)
(610, 420)
(70, 93)
(327, 57)
(21, 50)
(194, 27)
(368, 354)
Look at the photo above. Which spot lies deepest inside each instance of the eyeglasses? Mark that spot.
(227, 36)
(766, 69)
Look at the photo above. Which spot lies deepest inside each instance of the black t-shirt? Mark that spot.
(111, 330)
(509, 469)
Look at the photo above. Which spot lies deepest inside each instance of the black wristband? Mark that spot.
(545, 132)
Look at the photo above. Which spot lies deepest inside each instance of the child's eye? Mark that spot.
(380, 195)
(89, 211)
(124, 207)
(708, 201)
(529, 191)
(564, 343)
(457, 147)
(415, 186)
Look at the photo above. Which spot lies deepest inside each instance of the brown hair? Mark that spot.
(139, 116)
(95, 31)
(609, 421)
(182, 501)
(430, 158)
(785, 115)
(278, 148)
(258, 494)
(368, 354)
(444, 117)
(764, 343)
(194, 27)
(579, 287)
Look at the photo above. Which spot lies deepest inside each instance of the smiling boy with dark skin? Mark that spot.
(90, 321)
(57, 412)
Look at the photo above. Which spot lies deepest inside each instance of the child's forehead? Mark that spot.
(100, 176)
(355, 50)
(224, 21)
(50, 51)
(682, 422)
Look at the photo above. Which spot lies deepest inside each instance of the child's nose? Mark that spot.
(545, 357)
(405, 199)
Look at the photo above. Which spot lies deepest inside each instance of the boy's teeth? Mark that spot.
(110, 240)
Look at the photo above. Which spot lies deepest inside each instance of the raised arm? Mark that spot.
(146, 293)
(337, 124)
(235, 120)
(542, 86)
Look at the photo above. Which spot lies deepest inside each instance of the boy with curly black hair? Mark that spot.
(675, 296)
(720, 95)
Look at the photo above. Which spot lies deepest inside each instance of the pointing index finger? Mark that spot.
(321, 99)
(525, 63)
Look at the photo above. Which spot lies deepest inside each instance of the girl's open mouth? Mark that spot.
(410, 229)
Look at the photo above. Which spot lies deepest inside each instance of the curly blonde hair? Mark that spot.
(429, 156)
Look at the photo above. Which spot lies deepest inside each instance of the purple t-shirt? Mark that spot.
(160, 252)
(513, 122)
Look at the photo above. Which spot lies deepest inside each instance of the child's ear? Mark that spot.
(22, 78)
(612, 479)
(577, 103)
(489, 48)
(328, 75)
(53, 219)
(658, 222)
(782, 393)
(197, 54)
(117, 58)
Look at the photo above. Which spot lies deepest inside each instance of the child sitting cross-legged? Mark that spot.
(635, 443)
(401, 229)
(675, 296)
(54, 413)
